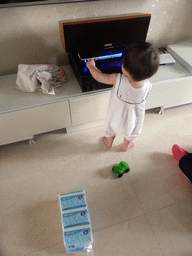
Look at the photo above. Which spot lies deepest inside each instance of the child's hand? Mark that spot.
(91, 63)
(99, 76)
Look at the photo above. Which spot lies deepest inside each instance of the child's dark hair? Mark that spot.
(141, 60)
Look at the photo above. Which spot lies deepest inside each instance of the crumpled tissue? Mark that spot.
(46, 78)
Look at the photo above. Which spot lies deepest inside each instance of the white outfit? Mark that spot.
(126, 110)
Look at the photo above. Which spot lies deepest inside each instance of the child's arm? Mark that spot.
(99, 76)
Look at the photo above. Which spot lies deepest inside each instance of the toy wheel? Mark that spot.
(120, 175)
(127, 170)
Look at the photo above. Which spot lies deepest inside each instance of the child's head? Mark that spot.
(141, 60)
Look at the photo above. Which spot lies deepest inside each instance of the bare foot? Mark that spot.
(127, 145)
(108, 141)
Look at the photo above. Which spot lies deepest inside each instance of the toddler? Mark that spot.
(126, 109)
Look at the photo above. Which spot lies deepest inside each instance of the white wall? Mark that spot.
(30, 35)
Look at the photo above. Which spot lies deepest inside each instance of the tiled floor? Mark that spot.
(146, 212)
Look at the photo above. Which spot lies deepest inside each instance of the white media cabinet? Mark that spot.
(23, 115)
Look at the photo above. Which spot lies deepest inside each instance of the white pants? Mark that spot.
(131, 125)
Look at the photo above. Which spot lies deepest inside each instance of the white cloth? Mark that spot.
(126, 109)
(31, 78)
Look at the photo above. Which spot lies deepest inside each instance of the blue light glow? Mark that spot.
(109, 56)
(116, 55)
(85, 69)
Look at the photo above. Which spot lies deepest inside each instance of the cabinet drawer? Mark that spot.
(23, 124)
(170, 93)
(89, 108)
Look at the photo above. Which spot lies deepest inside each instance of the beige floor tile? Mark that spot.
(133, 237)
(112, 204)
(31, 229)
(55, 250)
(172, 227)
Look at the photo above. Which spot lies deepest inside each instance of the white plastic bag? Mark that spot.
(46, 78)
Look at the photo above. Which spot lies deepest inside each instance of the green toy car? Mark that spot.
(122, 168)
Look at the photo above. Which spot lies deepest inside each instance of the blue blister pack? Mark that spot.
(78, 239)
(76, 225)
(73, 200)
(73, 218)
